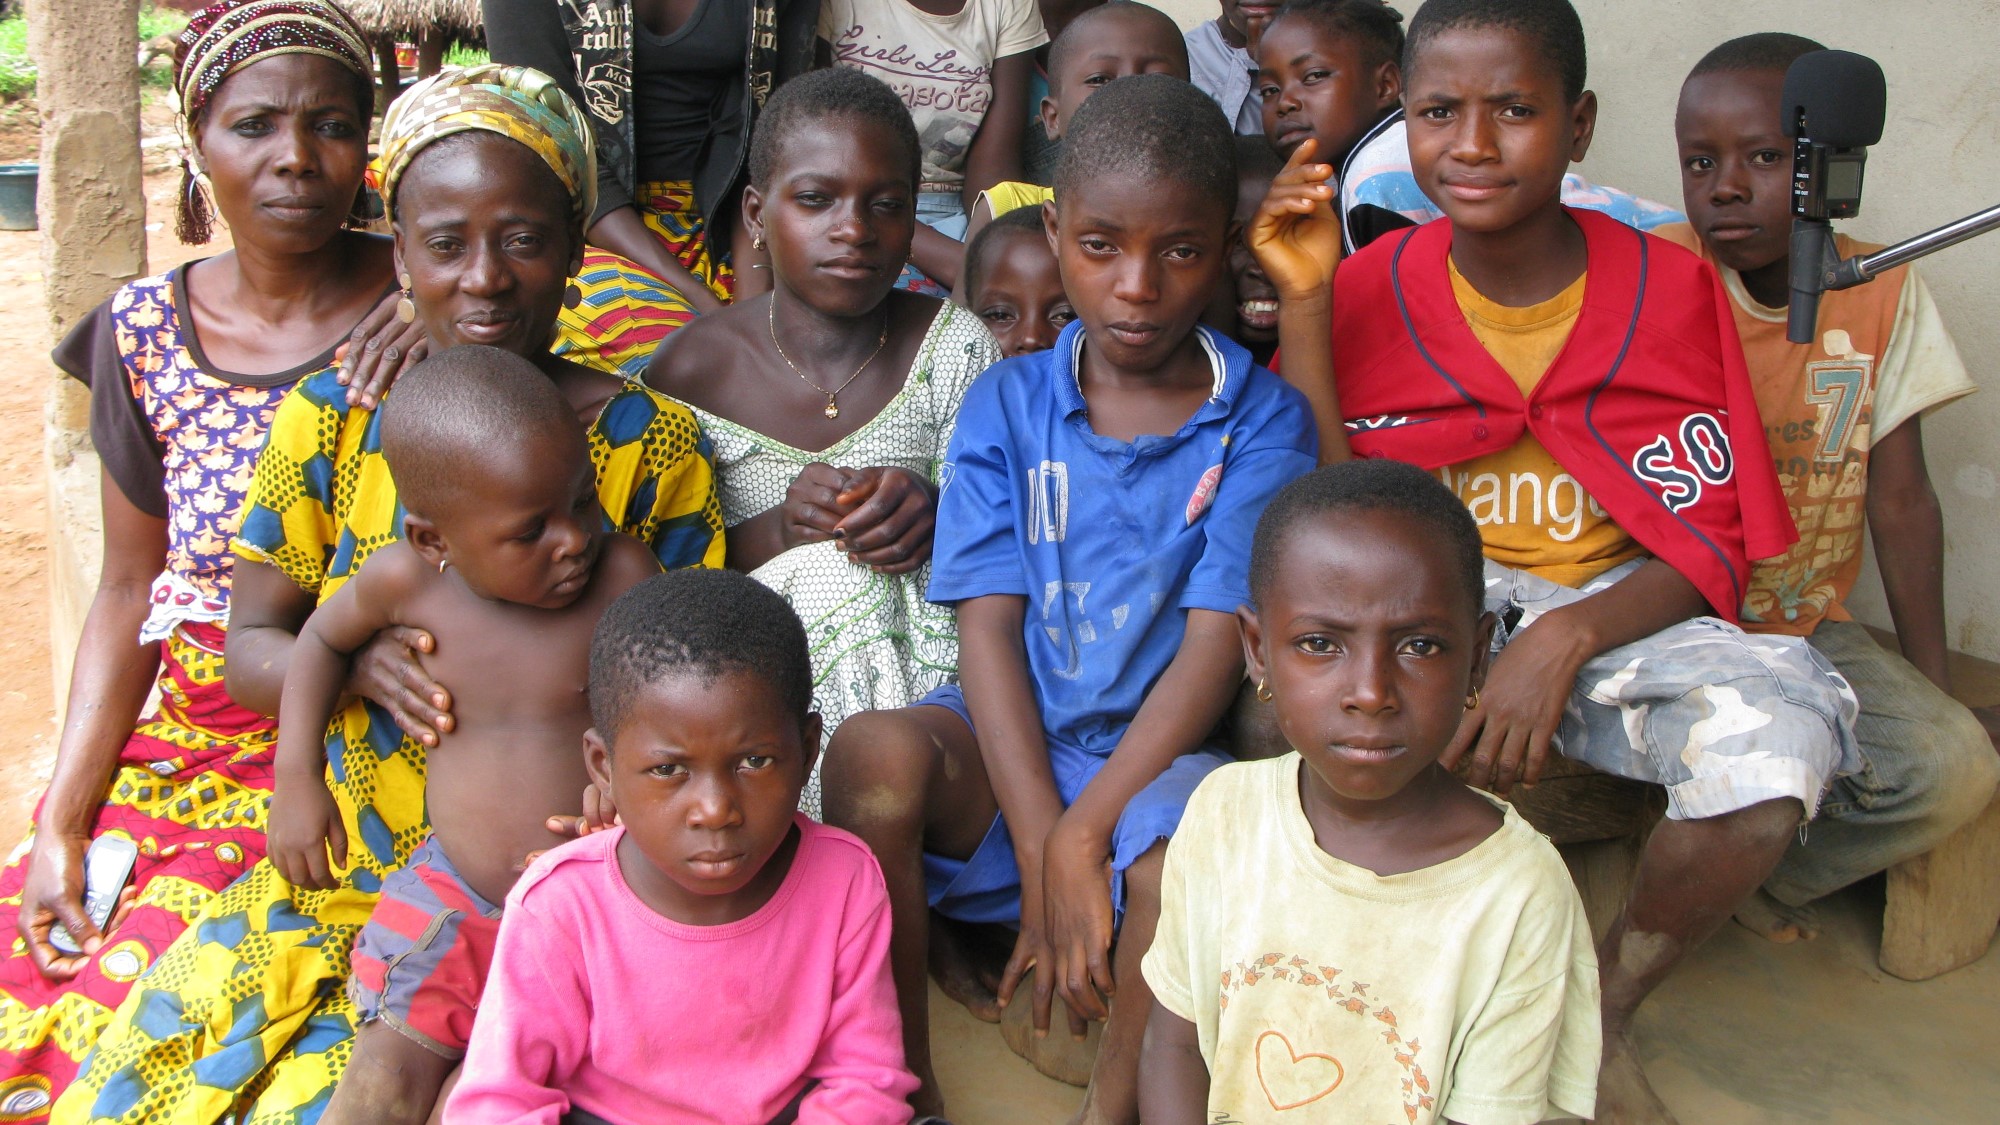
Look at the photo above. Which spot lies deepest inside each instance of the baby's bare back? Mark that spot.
(518, 679)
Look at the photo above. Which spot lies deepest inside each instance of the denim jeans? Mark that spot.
(1927, 768)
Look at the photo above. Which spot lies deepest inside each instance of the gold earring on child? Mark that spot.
(1264, 692)
(442, 563)
(406, 309)
(1472, 700)
(757, 243)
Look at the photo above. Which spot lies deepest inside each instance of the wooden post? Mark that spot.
(93, 221)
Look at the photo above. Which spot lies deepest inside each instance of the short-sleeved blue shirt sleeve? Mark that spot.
(1110, 542)
(973, 552)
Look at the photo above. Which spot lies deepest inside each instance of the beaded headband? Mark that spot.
(224, 38)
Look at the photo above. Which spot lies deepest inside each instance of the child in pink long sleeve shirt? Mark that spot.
(719, 957)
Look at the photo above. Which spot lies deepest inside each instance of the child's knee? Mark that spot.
(1961, 770)
(877, 765)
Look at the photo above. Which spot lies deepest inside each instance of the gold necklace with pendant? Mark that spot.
(832, 409)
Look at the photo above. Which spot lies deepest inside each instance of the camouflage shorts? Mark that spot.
(1724, 719)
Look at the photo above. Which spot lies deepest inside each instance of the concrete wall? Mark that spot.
(92, 208)
(1939, 159)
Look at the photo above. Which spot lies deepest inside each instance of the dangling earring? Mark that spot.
(757, 243)
(1264, 692)
(572, 296)
(1472, 700)
(406, 309)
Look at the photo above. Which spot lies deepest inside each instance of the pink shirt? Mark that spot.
(595, 1001)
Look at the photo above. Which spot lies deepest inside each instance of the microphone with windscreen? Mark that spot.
(1834, 105)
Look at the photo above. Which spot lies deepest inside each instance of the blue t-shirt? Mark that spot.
(1110, 542)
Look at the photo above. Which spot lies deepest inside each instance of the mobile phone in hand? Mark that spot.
(107, 868)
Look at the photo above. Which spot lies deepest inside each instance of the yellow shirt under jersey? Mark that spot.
(1013, 195)
(1532, 514)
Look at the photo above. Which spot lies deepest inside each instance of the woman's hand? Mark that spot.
(52, 895)
(891, 514)
(1295, 234)
(813, 507)
(305, 826)
(377, 352)
(1077, 913)
(389, 670)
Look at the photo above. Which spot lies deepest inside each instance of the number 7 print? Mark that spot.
(1836, 387)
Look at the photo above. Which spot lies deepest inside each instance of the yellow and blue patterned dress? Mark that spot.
(246, 1017)
(192, 783)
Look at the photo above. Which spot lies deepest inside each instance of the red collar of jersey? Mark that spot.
(1648, 405)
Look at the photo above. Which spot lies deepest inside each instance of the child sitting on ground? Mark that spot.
(1329, 72)
(1424, 952)
(829, 401)
(1093, 535)
(1579, 385)
(1108, 42)
(1843, 417)
(503, 552)
(1012, 282)
(1223, 62)
(718, 956)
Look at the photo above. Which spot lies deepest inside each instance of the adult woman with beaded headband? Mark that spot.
(185, 370)
(487, 175)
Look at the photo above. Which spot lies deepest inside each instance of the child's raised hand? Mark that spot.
(891, 515)
(305, 825)
(1295, 234)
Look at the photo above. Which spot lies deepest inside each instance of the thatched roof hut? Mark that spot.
(408, 20)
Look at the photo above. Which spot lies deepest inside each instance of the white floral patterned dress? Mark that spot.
(876, 643)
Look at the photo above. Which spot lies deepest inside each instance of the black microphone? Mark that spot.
(1837, 98)
(1834, 106)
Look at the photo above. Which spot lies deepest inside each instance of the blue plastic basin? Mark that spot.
(17, 195)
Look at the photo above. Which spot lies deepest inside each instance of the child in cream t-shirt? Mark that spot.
(1349, 930)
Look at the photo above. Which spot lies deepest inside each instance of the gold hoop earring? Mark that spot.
(1264, 692)
(1472, 700)
(442, 563)
(406, 309)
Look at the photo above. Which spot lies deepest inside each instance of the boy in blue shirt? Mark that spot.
(1094, 534)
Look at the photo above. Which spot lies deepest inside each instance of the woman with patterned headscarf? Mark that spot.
(185, 370)
(488, 175)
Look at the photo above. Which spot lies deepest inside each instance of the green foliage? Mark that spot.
(17, 70)
(460, 54)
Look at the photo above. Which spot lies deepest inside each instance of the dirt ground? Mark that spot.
(1747, 1033)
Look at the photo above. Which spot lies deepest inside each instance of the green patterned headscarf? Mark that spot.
(517, 102)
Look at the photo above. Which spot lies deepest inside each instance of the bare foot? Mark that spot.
(1766, 916)
(1624, 1097)
(965, 969)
